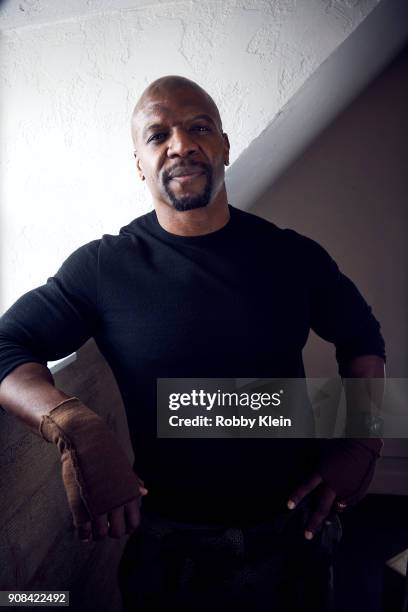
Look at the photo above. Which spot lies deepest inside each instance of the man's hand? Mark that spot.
(324, 507)
(116, 524)
(342, 478)
(104, 493)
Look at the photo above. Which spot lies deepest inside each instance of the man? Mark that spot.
(196, 289)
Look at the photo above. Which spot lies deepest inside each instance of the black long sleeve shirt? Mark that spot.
(238, 302)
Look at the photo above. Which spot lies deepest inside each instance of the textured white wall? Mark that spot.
(69, 80)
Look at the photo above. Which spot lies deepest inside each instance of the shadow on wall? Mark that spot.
(349, 193)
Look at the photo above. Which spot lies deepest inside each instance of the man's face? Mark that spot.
(180, 148)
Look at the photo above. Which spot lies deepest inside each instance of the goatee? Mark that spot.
(191, 202)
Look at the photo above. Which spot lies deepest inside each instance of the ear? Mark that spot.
(138, 166)
(226, 149)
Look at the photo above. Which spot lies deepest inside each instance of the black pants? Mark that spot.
(269, 567)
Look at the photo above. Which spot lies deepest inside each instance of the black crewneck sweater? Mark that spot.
(235, 303)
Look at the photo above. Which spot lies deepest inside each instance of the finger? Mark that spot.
(132, 516)
(85, 532)
(100, 527)
(303, 490)
(142, 489)
(322, 511)
(117, 526)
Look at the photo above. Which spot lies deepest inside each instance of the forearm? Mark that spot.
(347, 464)
(364, 387)
(28, 393)
(99, 481)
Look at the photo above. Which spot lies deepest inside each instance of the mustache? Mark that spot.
(185, 168)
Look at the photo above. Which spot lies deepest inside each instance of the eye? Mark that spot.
(201, 128)
(157, 137)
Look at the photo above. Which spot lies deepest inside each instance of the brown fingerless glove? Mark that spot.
(348, 466)
(97, 474)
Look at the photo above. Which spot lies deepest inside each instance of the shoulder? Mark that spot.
(80, 260)
(128, 237)
(306, 247)
(85, 261)
(289, 241)
(250, 222)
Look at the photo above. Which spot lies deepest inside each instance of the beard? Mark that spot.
(191, 202)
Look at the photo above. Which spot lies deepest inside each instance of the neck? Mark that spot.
(194, 222)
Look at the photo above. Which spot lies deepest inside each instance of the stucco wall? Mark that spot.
(70, 74)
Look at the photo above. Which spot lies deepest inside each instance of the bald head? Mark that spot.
(167, 86)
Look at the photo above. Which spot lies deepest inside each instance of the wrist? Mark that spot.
(70, 421)
(347, 466)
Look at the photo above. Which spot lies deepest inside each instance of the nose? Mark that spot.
(181, 144)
